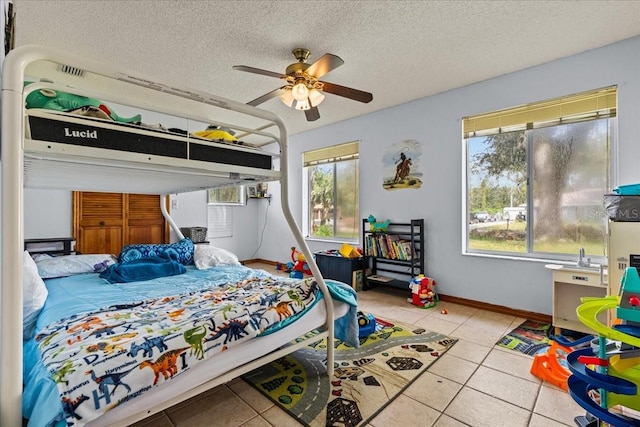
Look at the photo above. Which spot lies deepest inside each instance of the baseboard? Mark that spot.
(538, 317)
(258, 260)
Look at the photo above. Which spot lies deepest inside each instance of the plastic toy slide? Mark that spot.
(579, 391)
(547, 367)
(590, 308)
(619, 375)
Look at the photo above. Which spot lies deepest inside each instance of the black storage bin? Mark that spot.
(337, 267)
(622, 208)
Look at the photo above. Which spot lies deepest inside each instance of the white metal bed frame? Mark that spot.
(14, 147)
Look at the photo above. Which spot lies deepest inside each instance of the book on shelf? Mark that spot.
(406, 248)
(388, 246)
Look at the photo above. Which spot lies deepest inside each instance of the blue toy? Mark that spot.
(366, 324)
(378, 226)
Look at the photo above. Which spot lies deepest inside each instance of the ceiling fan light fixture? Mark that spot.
(300, 92)
(303, 105)
(315, 97)
(287, 98)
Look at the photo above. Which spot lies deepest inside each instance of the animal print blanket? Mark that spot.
(106, 357)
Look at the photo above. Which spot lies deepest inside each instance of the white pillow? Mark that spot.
(34, 294)
(68, 265)
(207, 256)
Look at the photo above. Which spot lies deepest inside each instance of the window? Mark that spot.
(536, 176)
(227, 195)
(332, 196)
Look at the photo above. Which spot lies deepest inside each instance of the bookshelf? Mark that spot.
(395, 255)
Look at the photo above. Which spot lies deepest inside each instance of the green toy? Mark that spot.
(68, 102)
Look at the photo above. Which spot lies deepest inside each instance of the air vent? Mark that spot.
(71, 70)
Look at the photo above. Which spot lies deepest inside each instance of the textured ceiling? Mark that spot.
(397, 50)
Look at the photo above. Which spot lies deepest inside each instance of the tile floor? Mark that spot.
(474, 384)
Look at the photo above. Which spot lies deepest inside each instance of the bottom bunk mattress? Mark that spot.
(106, 351)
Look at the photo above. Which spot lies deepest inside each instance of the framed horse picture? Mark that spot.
(402, 166)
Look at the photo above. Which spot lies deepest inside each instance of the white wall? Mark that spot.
(436, 123)
(48, 213)
(191, 211)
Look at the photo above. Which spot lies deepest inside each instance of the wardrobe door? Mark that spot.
(98, 222)
(105, 222)
(144, 222)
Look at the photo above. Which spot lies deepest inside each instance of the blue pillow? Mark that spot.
(181, 251)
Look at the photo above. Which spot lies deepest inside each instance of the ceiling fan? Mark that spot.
(303, 90)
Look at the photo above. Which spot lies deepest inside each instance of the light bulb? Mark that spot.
(315, 97)
(300, 92)
(287, 98)
(303, 105)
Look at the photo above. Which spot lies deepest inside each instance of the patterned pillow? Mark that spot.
(181, 251)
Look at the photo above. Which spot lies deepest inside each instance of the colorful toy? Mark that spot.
(348, 251)
(217, 133)
(614, 380)
(378, 226)
(423, 292)
(549, 367)
(300, 266)
(366, 324)
(77, 104)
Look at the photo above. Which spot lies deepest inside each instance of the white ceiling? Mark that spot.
(397, 50)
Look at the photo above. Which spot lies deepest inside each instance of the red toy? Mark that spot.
(300, 265)
(423, 292)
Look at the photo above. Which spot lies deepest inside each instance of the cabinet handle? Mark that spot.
(583, 278)
(102, 223)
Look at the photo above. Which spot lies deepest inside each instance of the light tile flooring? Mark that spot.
(474, 384)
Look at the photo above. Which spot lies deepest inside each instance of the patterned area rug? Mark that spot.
(530, 338)
(366, 379)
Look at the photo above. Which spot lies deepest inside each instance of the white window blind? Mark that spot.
(219, 221)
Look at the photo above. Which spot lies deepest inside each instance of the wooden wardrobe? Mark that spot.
(105, 222)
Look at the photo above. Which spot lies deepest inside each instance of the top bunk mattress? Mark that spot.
(102, 124)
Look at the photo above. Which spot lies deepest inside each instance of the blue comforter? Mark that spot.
(87, 293)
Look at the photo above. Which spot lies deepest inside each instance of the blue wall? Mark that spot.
(435, 122)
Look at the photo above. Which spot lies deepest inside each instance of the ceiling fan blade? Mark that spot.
(259, 71)
(347, 92)
(322, 66)
(267, 96)
(312, 114)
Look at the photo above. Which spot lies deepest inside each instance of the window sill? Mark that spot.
(319, 240)
(602, 261)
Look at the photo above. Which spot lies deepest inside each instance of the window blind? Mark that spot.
(598, 103)
(219, 221)
(334, 153)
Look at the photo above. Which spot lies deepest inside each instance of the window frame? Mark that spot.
(608, 109)
(242, 196)
(329, 155)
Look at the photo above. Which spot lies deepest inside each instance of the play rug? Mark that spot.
(530, 338)
(366, 379)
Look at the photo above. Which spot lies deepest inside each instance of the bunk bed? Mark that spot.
(99, 151)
